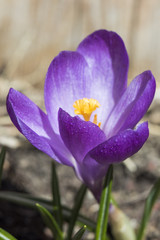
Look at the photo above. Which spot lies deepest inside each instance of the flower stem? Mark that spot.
(101, 229)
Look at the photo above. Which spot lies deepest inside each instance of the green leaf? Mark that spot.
(2, 158)
(151, 199)
(56, 197)
(4, 235)
(79, 234)
(50, 221)
(75, 211)
(27, 200)
(102, 221)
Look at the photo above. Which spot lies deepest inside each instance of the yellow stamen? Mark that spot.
(99, 124)
(95, 121)
(85, 107)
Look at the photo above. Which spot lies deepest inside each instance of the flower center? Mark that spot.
(85, 107)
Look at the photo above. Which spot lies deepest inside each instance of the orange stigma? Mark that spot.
(85, 107)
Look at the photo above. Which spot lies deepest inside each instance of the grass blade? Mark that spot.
(79, 234)
(50, 221)
(75, 211)
(2, 158)
(101, 229)
(56, 197)
(27, 200)
(4, 235)
(151, 199)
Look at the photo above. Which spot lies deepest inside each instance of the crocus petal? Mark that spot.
(79, 136)
(92, 173)
(120, 146)
(67, 80)
(116, 149)
(97, 70)
(132, 105)
(123, 145)
(107, 58)
(33, 123)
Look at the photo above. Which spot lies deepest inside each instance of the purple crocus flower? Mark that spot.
(91, 79)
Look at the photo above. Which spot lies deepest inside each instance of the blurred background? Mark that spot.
(32, 33)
